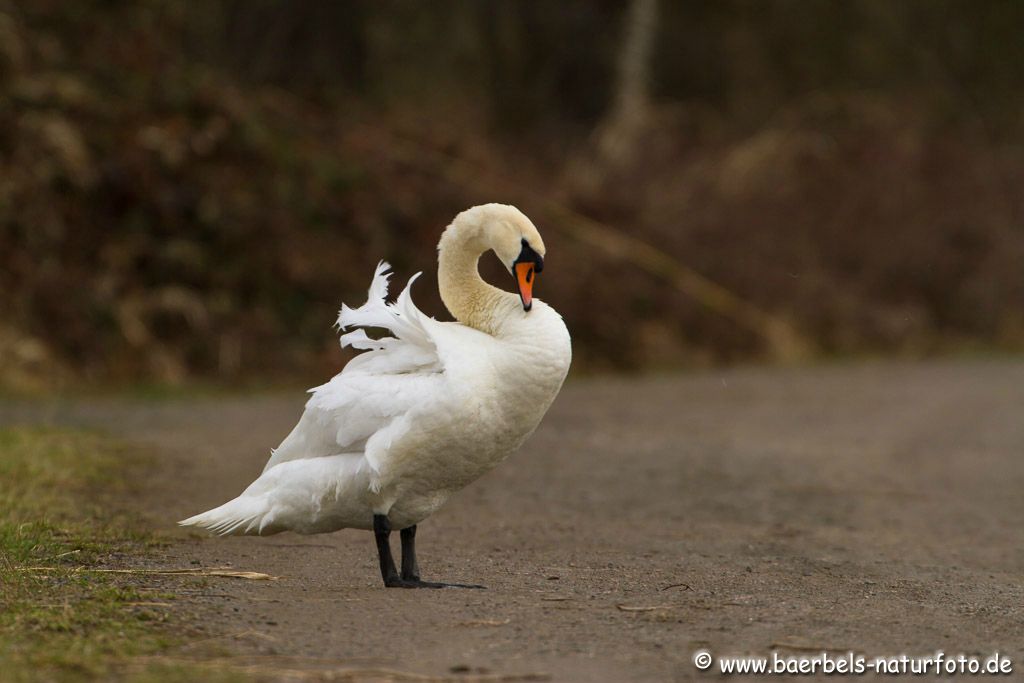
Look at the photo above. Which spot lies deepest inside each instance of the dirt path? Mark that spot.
(876, 508)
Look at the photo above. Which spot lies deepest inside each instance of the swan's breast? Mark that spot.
(496, 391)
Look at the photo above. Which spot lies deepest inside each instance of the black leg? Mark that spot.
(410, 577)
(410, 570)
(382, 534)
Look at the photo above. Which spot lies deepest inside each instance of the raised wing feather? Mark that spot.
(369, 403)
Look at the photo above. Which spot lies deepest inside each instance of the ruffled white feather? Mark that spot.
(410, 349)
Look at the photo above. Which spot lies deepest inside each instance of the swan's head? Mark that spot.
(516, 242)
(507, 232)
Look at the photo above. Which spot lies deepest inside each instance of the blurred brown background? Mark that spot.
(189, 190)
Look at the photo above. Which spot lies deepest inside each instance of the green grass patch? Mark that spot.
(59, 518)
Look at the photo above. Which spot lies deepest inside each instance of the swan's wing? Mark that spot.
(411, 348)
(371, 402)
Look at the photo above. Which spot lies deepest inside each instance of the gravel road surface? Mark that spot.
(872, 507)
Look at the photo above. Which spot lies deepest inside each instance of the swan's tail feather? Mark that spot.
(241, 516)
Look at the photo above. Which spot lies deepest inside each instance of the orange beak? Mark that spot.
(524, 278)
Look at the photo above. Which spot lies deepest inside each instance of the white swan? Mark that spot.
(421, 413)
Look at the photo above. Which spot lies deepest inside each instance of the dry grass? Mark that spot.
(65, 619)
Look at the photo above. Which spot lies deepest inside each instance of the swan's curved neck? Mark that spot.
(468, 298)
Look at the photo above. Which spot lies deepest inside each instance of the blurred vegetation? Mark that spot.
(191, 189)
